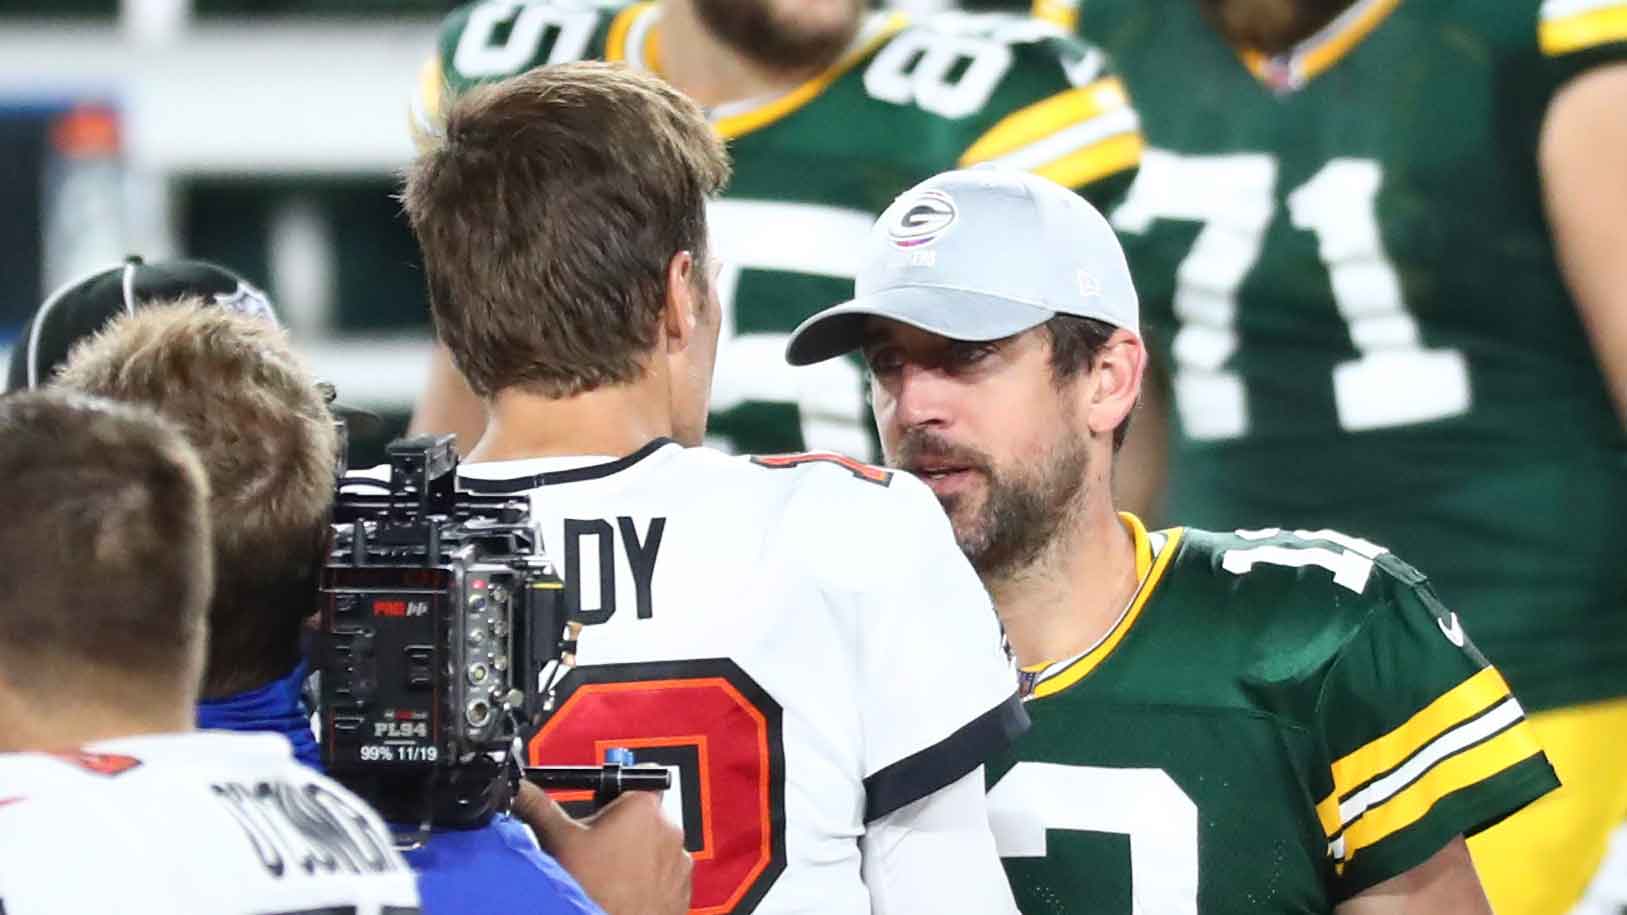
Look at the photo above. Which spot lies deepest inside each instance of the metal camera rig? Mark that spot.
(443, 626)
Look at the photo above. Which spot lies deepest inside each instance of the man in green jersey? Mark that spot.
(1380, 243)
(1259, 722)
(829, 111)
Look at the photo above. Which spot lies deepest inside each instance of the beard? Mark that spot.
(755, 29)
(1270, 26)
(1021, 512)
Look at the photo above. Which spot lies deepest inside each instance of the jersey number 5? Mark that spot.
(719, 732)
(1144, 804)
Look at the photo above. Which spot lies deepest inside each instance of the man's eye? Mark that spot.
(883, 362)
(966, 355)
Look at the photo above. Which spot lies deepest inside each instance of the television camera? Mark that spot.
(444, 627)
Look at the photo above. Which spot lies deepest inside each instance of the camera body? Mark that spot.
(442, 626)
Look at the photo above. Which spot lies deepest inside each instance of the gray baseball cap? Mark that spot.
(979, 254)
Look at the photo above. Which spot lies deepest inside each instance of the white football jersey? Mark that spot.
(797, 638)
(206, 823)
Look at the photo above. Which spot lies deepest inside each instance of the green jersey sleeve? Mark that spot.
(1422, 737)
(1059, 112)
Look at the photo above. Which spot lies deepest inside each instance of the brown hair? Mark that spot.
(1075, 344)
(104, 561)
(248, 405)
(547, 217)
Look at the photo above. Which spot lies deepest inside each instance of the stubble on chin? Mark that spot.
(752, 29)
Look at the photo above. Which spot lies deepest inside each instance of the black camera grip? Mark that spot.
(607, 782)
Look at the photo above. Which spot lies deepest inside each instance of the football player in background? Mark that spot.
(227, 375)
(107, 802)
(757, 625)
(829, 112)
(1382, 241)
(1267, 721)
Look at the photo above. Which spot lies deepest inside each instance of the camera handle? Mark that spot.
(607, 782)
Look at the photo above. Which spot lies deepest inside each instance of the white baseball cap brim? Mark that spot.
(959, 314)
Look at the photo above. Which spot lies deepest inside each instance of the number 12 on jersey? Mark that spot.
(1145, 805)
(1394, 381)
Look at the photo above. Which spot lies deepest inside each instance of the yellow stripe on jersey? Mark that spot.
(1457, 705)
(618, 47)
(1456, 773)
(731, 127)
(1064, 13)
(1318, 54)
(1072, 138)
(615, 46)
(1150, 572)
(1029, 125)
(1584, 30)
(1324, 56)
(1106, 158)
(427, 114)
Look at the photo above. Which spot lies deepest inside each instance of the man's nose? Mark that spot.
(924, 398)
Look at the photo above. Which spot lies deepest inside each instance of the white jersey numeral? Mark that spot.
(947, 74)
(787, 238)
(1350, 559)
(479, 55)
(1396, 381)
(1230, 196)
(1146, 805)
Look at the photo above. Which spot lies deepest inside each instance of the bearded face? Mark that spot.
(1270, 26)
(787, 35)
(1006, 523)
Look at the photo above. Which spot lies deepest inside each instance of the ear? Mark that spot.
(681, 315)
(1116, 381)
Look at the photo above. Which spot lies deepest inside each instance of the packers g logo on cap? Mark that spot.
(923, 219)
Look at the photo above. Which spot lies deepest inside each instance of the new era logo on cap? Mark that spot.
(923, 220)
(1089, 286)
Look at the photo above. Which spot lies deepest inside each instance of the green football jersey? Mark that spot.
(1279, 721)
(1345, 260)
(814, 167)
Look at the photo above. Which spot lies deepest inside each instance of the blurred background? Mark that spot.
(263, 134)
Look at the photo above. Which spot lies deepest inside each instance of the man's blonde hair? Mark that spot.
(247, 403)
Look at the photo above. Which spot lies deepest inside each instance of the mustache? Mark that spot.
(918, 444)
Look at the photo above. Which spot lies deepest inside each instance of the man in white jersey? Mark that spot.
(107, 802)
(797, 638)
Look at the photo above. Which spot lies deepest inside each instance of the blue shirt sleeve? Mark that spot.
(494, 870)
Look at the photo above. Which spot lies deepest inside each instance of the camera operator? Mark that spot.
(228, 377)
(826, 691)
(107, 804)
